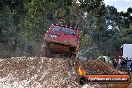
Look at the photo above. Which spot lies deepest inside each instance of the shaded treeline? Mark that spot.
(23, 23)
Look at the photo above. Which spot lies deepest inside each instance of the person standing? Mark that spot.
(115, 63)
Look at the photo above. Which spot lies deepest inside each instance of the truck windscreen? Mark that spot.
(68, 31)
(64, 30)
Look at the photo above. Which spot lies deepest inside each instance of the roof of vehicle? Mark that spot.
(106, 57)
(70, 27)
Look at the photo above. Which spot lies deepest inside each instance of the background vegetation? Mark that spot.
(24, 22)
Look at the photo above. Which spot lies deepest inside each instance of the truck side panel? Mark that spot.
(127, 51)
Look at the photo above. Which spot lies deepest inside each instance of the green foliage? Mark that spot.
(84, 40)
(23, 24)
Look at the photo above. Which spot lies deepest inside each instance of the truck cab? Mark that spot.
(61, 39)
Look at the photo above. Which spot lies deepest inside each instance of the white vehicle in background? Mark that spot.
(126, 51)
(126, 56)
(105, 59)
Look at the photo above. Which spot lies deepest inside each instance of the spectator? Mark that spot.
(119, 62)
(129, 65)
(123, 63)
(115, 63)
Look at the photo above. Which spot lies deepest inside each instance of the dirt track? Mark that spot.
(22, 72)
(41, 72)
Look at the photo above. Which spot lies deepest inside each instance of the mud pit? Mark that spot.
(33, 72)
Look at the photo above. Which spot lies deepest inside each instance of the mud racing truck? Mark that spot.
(61, 40)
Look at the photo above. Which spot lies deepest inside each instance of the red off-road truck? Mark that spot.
(62, 40)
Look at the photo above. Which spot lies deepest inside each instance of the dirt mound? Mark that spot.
(36, 73)
(33, 72)
(99, 67)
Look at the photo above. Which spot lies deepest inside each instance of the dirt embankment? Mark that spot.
(22, 72)
(35, 73)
